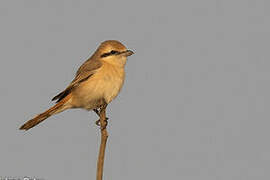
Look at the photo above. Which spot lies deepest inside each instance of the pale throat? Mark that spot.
(117, 61)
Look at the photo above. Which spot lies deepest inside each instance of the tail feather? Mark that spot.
(59, 107)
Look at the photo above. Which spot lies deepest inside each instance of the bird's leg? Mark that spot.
(97, 111)
(103, 119)
(98, 122)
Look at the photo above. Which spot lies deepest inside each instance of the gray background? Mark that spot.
(195, 104)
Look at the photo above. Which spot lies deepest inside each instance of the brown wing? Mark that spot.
(86, 70)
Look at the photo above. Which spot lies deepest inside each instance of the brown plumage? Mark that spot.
(97, 82)
(57, 108)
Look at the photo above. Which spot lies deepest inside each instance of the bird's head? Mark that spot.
(114, 52)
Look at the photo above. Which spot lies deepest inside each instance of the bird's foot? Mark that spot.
(106, 123)
(96, 111)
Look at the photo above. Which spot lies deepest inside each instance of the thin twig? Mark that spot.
(104, 136)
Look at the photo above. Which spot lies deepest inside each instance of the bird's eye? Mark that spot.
(113, 52)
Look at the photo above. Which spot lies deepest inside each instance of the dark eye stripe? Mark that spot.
(112, 52)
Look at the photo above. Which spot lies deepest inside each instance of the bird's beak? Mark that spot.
(128, 53)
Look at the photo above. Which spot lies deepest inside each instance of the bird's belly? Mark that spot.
(112, 89)
(99, 88)
(113, 78)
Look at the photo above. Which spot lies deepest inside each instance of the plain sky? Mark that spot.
(195, 103)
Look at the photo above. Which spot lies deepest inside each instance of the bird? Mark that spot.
(97, 82)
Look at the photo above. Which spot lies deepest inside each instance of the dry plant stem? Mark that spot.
(104, 136)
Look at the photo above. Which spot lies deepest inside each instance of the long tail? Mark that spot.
(57, 108)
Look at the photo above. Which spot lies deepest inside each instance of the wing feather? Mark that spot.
(86, 70)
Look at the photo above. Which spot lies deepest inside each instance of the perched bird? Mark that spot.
(97, 82)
